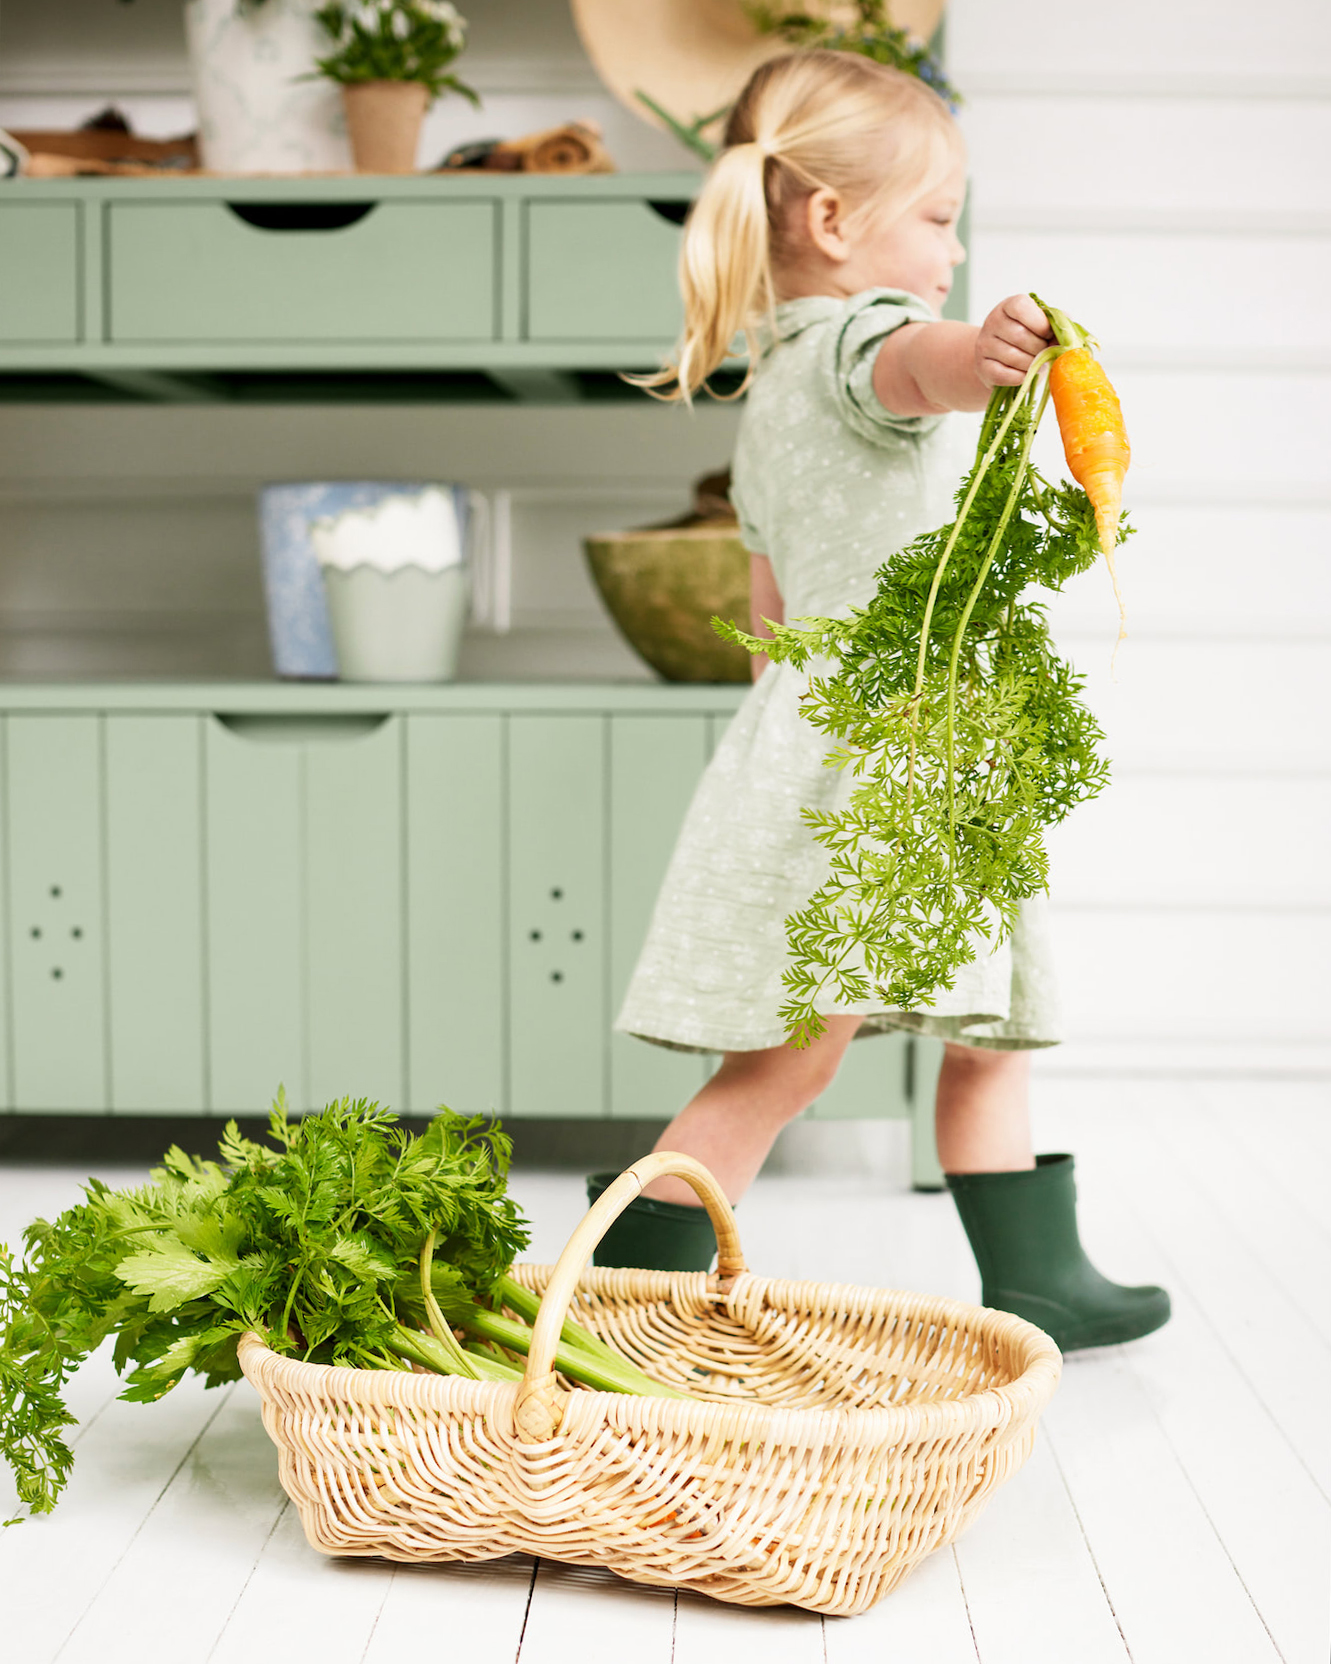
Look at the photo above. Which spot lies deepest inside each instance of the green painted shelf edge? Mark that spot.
(370, 698)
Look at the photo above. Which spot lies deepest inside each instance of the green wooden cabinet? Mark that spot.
(166, 288)
(53, 793)
(456, 912)
(655, 762)
(40, 275)
(423, 895)
(153, 792)
(185, 271)
(305, 942)
(557, 908)
(601, 271)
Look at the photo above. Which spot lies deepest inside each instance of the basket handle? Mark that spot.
(538, 1409)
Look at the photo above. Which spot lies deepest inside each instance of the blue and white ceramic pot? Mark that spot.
(298, 624)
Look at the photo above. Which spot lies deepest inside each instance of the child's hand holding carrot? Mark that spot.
(1013, 334)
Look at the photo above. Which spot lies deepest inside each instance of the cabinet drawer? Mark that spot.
(602, 271)
(302, 272)
(39, 272)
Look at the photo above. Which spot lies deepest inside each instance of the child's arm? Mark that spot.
(925, 369)
(764, 602)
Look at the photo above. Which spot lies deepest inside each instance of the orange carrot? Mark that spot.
(1095, 442)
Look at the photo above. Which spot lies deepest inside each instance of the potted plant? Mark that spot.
(391, 59)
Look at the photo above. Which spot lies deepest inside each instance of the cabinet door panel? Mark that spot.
(154, 879)
(54, 770)
(455, 913)
(655, 762)
(255, 972)
(354, 948)
(557, 997)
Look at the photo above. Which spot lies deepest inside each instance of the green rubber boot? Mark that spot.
(652, 1235)
(1022, 1228)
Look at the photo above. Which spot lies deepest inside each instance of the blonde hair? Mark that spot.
(804, 122)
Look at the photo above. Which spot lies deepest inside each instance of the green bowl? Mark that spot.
(662, 586)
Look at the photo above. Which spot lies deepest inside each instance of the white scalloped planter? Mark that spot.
(256, 114)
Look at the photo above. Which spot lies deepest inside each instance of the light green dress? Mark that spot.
(827, 484)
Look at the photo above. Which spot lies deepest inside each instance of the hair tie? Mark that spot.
(764, 147)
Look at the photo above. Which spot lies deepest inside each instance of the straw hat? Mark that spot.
(694, 56)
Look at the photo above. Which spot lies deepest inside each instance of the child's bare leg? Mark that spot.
(733, 1122)
(982, 1112)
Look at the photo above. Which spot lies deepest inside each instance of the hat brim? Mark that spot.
(693, 57)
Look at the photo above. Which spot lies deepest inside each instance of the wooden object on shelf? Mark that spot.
(664, 585)
(576, 147)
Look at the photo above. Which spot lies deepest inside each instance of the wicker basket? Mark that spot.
(847, 1433)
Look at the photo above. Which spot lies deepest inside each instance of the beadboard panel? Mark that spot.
(1126, 155)
(1141, 974)
(1231, 706)
(1197, 37)
(1184, 841)
(1222, 292)
(1235, 572)
(1246, 435)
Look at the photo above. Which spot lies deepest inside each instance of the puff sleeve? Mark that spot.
(852, 347)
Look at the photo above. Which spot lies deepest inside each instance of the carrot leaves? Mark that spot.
(962, 733)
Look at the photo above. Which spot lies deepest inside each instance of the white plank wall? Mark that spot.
(1159, 170)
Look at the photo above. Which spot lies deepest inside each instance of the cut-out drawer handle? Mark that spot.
(675, 212)
(301, 216)
(297, 728)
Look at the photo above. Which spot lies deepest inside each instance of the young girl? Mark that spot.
(826, 231)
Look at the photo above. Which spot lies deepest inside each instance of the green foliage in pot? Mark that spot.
(872, 35)
(395, 40)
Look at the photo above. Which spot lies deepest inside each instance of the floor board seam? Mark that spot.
(134, 1537)
(526, 1611)
(249, 1578)
(1219, 1335)
(1090, 1552)
(369, 1639)
(1206, 1512)
(970, 1619)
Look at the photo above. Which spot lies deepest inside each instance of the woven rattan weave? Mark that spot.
(845, 1432)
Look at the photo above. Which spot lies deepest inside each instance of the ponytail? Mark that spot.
(805, 120)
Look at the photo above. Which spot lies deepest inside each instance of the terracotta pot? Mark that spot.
(663, 585)
(384, 120)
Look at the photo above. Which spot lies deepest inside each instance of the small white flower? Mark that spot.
(401, 25)
(443, 12)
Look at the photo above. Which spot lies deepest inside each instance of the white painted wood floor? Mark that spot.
(1175, 1509)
